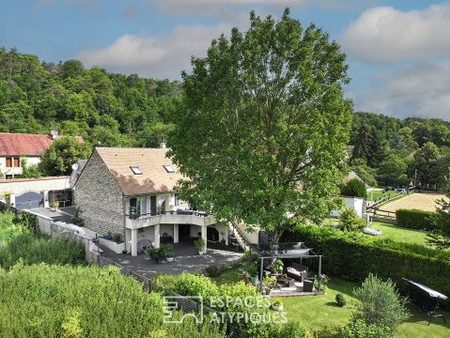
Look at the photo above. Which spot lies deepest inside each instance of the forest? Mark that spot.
(109, 109)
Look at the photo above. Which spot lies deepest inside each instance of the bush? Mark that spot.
(350, 221)
(381, 304)
(161, 253)
(416, 219)
(62, 301)
(340, 300)
(354, 188)
(353, 256)
(359, 329)
(36, 249)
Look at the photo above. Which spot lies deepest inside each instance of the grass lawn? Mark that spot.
(400, 234)
(320, 312)
(375, 195)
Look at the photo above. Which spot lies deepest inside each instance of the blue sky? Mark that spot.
(398, 51)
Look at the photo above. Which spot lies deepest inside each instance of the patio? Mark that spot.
(186, 259)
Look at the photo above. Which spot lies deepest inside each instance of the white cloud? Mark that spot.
(384, 34)
(161, 56)
(418, 90)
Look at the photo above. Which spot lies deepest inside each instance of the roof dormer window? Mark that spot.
(136, 170)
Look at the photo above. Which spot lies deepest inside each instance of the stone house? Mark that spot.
(132, 191)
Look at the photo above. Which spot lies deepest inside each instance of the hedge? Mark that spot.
(354, 256)
(415, 219)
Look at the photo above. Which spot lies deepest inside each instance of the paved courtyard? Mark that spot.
(186, 259)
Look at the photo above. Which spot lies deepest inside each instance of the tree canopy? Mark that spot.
(264, 128)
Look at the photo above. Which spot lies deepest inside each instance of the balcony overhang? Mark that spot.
(146, 221)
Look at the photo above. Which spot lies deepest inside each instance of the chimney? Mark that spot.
(53, 134)
(162, 145)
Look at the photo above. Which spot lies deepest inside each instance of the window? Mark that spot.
(16, 162)
(169, 168)
(9, 162)
(136, 170)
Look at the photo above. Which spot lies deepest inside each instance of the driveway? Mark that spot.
(186, 259)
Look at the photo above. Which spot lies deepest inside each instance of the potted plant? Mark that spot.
(54, 205)
(200, 245)
(321, 283)
(278, 266)
(270, 282)
(157, 254)
(168, 252)
(277, 305)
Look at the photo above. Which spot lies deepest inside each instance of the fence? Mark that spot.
(379, 215)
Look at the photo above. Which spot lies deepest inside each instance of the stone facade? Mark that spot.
(99, 198)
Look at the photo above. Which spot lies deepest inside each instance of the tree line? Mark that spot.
(393, 152)
(109, 109)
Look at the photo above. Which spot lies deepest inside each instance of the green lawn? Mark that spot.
(320, 313)
(376, 195)
(400, 234)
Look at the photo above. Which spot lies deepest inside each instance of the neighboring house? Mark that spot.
(131, 191)
(14, 147)
(351, 175)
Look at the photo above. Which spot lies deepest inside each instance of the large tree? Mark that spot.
(59, 157)
(264, 128)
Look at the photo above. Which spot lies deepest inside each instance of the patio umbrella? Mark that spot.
(432, 293)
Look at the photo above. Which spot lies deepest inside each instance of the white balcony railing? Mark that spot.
(13, 171)
(174, 217)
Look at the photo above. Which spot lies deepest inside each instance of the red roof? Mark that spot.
(13, 144)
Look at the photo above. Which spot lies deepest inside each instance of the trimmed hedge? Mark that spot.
(415, 219)
(354, 256)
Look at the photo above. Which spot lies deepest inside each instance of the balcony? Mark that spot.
(170, 217)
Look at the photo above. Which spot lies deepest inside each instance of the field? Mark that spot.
(419, 201)
(377, 194)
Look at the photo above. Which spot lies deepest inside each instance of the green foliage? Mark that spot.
(32, 249)
(392, 170)
(270, 281)
(350, 221)
(416, 219)
(366, 173)
(279, 120)
(19, 242)
(188, 284)
(200, 244)
(278, 265)
(354, 188)
(251, 268)
(63, 301)
(440, 235)
(105, 109)
(353, 256)
(381, 304)
(359, 329)
(31, 171)
(62, 154)
(426, 164)
(321, 282)
(161, 253)
(340, 300)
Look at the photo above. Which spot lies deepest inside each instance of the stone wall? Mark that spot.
(98, 197)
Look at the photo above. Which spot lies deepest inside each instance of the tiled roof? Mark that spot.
(151, 161)
(13, 144)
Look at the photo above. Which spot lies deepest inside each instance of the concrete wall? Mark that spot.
(99, 198)
(71, 231)
(23, 185)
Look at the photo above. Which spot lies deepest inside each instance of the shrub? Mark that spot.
(321, 282)
(87, 301)
(416, 219)
(188, 284)
(251, 268)
(353, 256)
(354, 188)
(381, 304)
(359, 329)
(163, 282)
(350, 221)
(161, 253)
(36, 249)
(270, 281)
(200, 244)
(340, 300)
